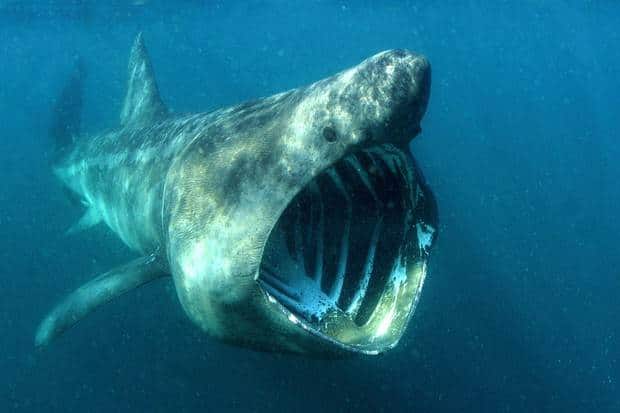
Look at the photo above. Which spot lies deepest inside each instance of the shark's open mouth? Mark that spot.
(347, 256)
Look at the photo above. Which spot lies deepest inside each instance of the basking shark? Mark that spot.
(298, 222)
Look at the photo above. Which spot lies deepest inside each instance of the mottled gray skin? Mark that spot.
(202, 192)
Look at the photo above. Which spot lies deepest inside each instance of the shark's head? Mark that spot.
(382, 100)
(300, 222)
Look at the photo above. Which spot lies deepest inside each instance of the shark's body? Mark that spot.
(294, 222)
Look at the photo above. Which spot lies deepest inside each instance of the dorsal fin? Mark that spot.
(142, 102)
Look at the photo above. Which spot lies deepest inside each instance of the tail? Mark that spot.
(67, 112)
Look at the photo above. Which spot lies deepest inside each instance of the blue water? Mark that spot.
(520, 144)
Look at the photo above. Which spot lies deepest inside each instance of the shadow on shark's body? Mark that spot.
(298, 222)
(68, 108)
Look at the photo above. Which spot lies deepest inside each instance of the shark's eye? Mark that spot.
(330, 134)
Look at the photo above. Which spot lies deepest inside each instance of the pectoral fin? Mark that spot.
(96, 292)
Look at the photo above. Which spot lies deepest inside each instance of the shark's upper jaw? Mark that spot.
(346, 259)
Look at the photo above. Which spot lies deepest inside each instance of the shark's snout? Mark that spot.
(403, 93)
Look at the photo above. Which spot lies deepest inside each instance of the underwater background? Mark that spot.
(520, 145)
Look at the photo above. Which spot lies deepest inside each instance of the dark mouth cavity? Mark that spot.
(339, 241)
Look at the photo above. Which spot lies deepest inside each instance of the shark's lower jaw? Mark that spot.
(346, 260)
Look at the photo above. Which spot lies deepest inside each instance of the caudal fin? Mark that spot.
(67, 111)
